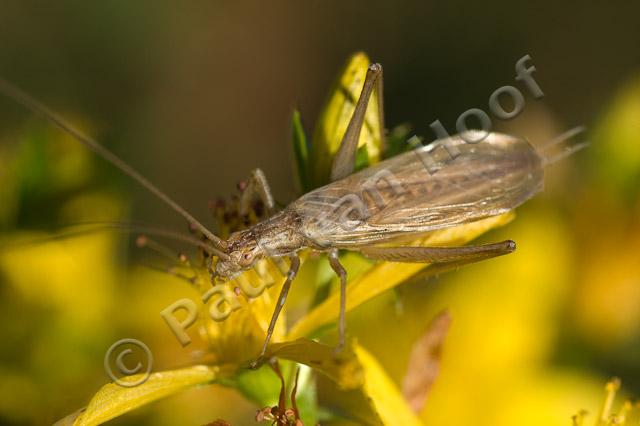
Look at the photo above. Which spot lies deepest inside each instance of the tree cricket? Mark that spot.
(372, 211)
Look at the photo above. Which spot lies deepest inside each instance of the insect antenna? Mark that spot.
(177, 259)
(91, 227)
(560, 148)
(35, 106)
(171, 271)
(143, 241)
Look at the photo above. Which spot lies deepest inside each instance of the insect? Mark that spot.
(372, 211)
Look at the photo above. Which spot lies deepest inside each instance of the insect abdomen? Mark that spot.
(403, 196)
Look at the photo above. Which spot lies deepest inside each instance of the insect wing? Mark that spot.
(423, 190)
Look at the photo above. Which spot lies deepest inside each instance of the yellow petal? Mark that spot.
(240, 337)
(73, 276)
(230, 325)
(355, 370)
(382, 393)
(113, 400)
(377, 400)
(387, 275)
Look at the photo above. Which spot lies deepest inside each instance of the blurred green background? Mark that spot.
(196, 95)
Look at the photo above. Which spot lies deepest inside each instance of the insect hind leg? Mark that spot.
(344, 161)
(459, 255)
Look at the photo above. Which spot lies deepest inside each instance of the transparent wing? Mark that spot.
(422, 190)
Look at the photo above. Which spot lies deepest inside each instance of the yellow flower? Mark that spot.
(628, 413)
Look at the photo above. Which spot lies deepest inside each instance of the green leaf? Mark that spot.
(335, 117)
(113, 400)
(301, 151)
(307, 396)
(362, 158)
(262, 386)
(396, 140)
(342, 368)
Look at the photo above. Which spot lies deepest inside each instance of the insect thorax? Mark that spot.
(276, 236)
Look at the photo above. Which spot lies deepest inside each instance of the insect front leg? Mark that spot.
(334, 261)
(345, 159)
(257, 185)
(291, 275)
